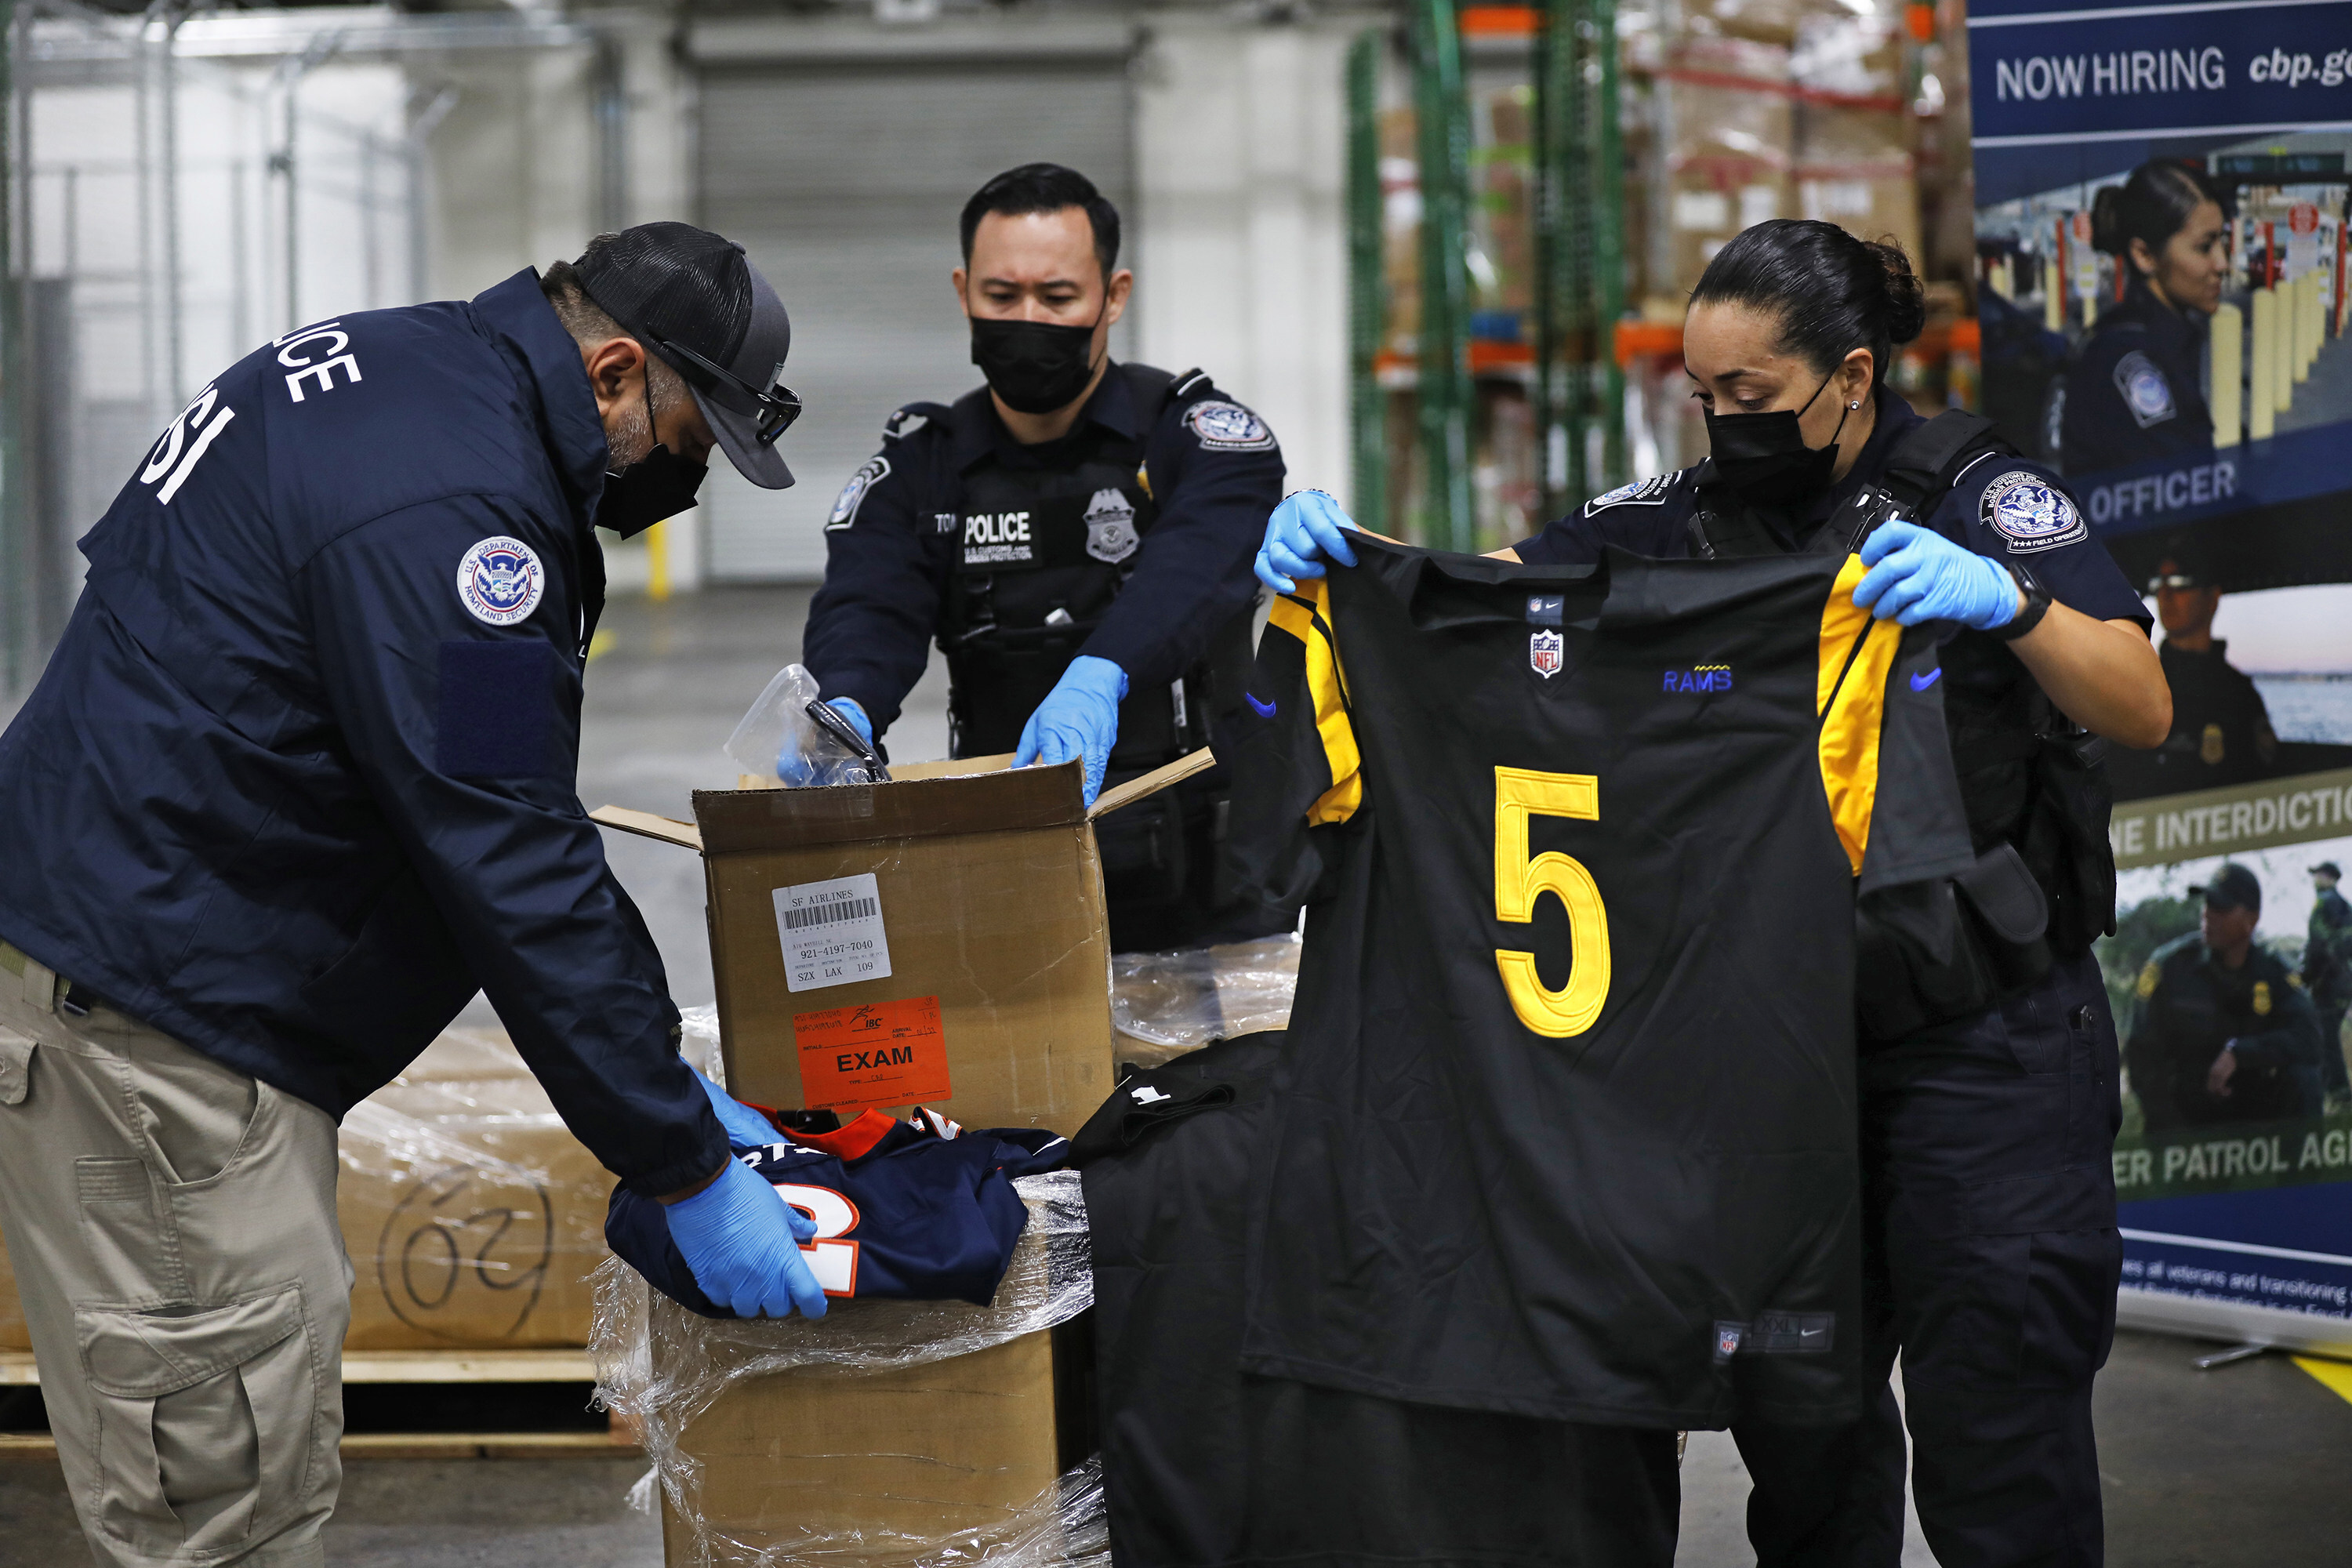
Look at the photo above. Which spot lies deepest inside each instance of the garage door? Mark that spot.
(843, 178)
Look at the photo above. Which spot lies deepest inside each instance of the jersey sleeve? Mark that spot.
(1885, 760)
(1300, 656)
(459, 727)
(2015, 510)
(870, 627)
(1215, 471)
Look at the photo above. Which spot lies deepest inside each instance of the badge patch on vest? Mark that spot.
(1110, 527)
(2030, 513)
(1228, 427)
(853, 494)
(500, 581)
(2145, 390)
(1651, 491)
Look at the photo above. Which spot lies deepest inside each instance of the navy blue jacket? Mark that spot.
(886, 564)
(2134, 392)
(299, 779)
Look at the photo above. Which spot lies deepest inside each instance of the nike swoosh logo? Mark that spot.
(1265, 710)
(1921, 682)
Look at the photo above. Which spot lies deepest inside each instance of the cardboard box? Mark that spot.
(858, 1468)
(471, 1214)
(947, 939)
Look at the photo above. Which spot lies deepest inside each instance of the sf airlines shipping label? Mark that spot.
(883, 1053)
(832, 932)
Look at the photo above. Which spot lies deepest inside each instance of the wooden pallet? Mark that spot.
(16, 1370)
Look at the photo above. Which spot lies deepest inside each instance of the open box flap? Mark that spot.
(976, 794)
(646, 824)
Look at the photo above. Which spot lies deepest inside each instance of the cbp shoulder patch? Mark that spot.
(1651, 491)
(874, 470)
(501, 581)
(1228, 427)
(2146, 391)
(2030, 513)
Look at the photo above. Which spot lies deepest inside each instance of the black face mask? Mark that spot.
(1036, 366)
(656, 486)
(1764, 456)
(661, 484)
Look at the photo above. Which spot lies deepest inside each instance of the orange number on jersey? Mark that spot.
(834, 1262)
(1521, 793)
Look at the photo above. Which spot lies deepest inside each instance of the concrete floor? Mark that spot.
(2244, 1465)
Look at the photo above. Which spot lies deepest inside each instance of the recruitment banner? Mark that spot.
(2162, 243)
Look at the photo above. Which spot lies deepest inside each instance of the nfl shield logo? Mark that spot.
(1545, 653)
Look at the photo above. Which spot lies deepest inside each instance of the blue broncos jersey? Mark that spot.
(917, 1210)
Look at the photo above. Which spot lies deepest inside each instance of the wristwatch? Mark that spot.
(2037, 605)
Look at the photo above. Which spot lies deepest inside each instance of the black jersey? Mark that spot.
(1567, 1127)
(1206, 1468)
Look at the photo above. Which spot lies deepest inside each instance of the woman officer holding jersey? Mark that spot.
(1992, 1251)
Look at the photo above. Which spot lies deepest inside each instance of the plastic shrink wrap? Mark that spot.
(794, 1441)
(1165, 1003)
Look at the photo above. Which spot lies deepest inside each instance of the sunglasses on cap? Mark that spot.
(777, 407)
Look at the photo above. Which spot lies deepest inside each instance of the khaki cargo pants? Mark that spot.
(172, 1225)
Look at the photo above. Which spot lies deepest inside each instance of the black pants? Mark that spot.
(1991, 1263)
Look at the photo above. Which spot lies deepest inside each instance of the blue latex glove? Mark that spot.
(743, 1242)
(746, 1128)
(1306, 529)
(793, 768)
(1916, 574)
(1080, 718)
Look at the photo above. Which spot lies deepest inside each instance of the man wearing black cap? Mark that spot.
(296, 783)
(2327, 975)
(2221, 728)
(1078, 536)
(2221, 1029)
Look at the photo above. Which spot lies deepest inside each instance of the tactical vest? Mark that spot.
(2035, 784)
(1040, 554)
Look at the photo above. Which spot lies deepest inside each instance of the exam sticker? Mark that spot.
(882, 1053)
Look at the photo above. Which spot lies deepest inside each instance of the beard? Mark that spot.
(629, 434)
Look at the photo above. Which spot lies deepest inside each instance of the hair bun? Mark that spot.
(1906, 296)
(2107, 221)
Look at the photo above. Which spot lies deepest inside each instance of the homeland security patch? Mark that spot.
(1110, 527)
(2145, 390)
(2031, 513)
(500, 581)
(1228, 427)
(853, 494)
(1651, 491)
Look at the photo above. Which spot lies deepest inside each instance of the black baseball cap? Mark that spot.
(2232, 888)
(2326, 869)
(695, 298)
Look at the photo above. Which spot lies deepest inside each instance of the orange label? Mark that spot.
(884, 1052)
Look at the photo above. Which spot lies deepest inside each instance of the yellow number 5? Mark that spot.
(1521, 793)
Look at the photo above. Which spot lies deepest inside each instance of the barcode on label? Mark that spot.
(829, 914)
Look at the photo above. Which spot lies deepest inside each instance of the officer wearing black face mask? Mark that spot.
(1989, 1078)
(1076, 536)
(298, 782)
